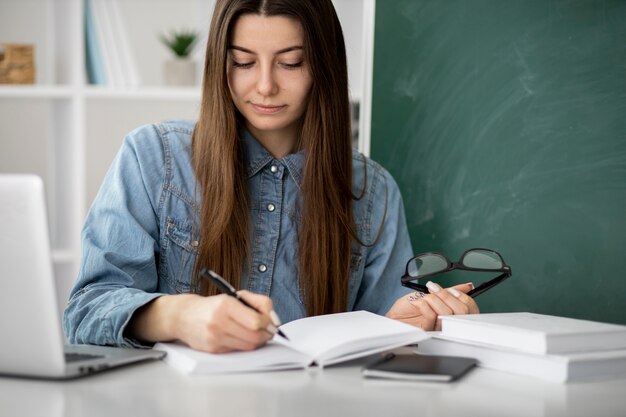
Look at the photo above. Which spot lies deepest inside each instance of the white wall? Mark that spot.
(146, 19)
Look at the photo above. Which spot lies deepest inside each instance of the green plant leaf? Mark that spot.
(180, 42)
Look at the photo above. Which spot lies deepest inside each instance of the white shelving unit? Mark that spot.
(68, 132)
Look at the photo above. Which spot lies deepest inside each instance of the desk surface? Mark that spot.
(154, 389)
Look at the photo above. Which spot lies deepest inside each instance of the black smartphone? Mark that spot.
(418, 367)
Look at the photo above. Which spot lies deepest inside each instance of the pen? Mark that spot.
(228, 289)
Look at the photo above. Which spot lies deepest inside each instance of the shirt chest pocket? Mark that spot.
(181, 249)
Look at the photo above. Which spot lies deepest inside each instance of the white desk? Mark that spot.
(154, 389)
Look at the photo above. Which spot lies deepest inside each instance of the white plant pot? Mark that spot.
(179, 72)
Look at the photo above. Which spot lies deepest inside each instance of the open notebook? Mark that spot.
(319, 340)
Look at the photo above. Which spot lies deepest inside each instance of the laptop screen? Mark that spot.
(29, 321)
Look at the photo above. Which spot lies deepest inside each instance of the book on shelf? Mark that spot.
(565, 367)
(318, 340)
(535, 333)
(93, 54)
(130, 74)
(109, 58)
(103, 40)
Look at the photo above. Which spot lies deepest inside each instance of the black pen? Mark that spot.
(228, 289)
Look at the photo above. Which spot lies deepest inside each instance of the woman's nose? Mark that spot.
(266, 83)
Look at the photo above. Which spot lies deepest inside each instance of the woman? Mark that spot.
(264, 189)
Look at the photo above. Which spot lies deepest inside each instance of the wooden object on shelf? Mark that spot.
(17, 64)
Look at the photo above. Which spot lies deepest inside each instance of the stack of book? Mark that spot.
(552, 348)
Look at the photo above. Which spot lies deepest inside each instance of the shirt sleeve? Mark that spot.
(120, 243)
(386, 260)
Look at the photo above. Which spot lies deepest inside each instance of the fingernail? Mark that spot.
(415, 296)
(275, 318)
(272, 329)
(471, 284)
(433, 287)
(454, 292)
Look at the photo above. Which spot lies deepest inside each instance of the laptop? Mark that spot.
(32, 342)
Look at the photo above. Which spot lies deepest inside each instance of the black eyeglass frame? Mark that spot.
(506, 272)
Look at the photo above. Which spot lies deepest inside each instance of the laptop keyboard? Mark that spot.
(76, 357)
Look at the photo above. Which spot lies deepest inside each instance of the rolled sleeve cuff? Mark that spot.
(120, 316)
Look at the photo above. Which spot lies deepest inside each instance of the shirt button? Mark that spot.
(274, 169)
(262, 268)
(271, 207)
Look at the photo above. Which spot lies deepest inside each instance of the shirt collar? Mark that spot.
(257, 157)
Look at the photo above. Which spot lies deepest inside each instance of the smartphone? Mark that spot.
(418, 367)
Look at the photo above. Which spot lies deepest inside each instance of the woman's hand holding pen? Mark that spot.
(213, 324)
(422, 310)
(220, 323)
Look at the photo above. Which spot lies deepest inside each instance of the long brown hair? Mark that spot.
(327, 226)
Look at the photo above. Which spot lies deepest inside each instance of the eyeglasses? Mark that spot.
(433, 263)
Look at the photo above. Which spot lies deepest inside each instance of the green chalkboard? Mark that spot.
(504, 123)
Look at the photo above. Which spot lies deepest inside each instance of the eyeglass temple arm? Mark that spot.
(486, 285)
(415, 286)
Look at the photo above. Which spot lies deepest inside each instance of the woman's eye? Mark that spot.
(242, 65)
(292, 66)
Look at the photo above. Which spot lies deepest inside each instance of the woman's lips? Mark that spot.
(266, 109)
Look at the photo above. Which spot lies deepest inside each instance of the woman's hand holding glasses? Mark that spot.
(421, 310)
(429, 301)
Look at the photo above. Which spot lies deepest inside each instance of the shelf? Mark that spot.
(145, 93)
(90, 92)
(156, 93)
(36, 91)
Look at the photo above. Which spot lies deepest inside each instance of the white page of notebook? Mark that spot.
(333, 336)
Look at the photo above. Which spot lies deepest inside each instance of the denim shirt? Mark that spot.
(140, 237)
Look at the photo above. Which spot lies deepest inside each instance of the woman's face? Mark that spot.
(268, 77)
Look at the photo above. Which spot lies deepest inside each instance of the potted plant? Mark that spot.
(180, 70)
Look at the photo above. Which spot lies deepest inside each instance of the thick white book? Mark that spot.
(571, 367)
(318, 340)
(535, 333)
